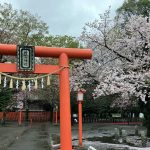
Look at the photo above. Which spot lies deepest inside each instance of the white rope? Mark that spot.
(33, 78)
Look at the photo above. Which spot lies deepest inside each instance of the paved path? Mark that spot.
(34, 138)
(8, 134)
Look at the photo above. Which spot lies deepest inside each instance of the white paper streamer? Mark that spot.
(29, 85)
(17, 84)
(42, 83)
(5, 82)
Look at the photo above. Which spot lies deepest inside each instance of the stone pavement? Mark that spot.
(35, 138)
(9, 134)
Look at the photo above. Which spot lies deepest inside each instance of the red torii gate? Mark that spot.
(63, 54)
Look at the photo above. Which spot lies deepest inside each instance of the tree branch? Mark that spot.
(119, 55)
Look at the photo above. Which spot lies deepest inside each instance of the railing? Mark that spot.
(110, 120)
(39, 116)
(35, 116)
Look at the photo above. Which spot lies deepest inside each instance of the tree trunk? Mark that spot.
(148, 126)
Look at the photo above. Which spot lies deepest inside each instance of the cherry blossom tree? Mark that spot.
(121, 59)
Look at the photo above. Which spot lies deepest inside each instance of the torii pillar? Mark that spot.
(63, 54)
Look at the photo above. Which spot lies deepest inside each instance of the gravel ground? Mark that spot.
(45, 136)
(100, 137)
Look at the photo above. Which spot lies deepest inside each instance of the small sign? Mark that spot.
(25, 58)
(116, 115)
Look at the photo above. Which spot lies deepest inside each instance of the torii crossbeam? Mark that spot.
(63, 54)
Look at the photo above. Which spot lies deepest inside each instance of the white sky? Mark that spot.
(66, 16)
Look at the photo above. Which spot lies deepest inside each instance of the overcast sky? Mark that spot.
(66, 16)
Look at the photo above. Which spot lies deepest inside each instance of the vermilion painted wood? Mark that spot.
(41, 51)
(63, 54)
(80, 122)
(39, 69)
(65, 112)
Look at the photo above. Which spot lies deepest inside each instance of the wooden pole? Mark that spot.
(20, 118)
(65, 113)
(53, 117)
(56, 118)
(80, 122)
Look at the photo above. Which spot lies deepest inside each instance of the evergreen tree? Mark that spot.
(134, 7)
(5, 98)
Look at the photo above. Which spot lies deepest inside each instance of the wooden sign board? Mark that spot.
(25, 58)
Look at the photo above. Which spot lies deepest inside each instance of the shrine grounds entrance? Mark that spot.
(63, 54)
